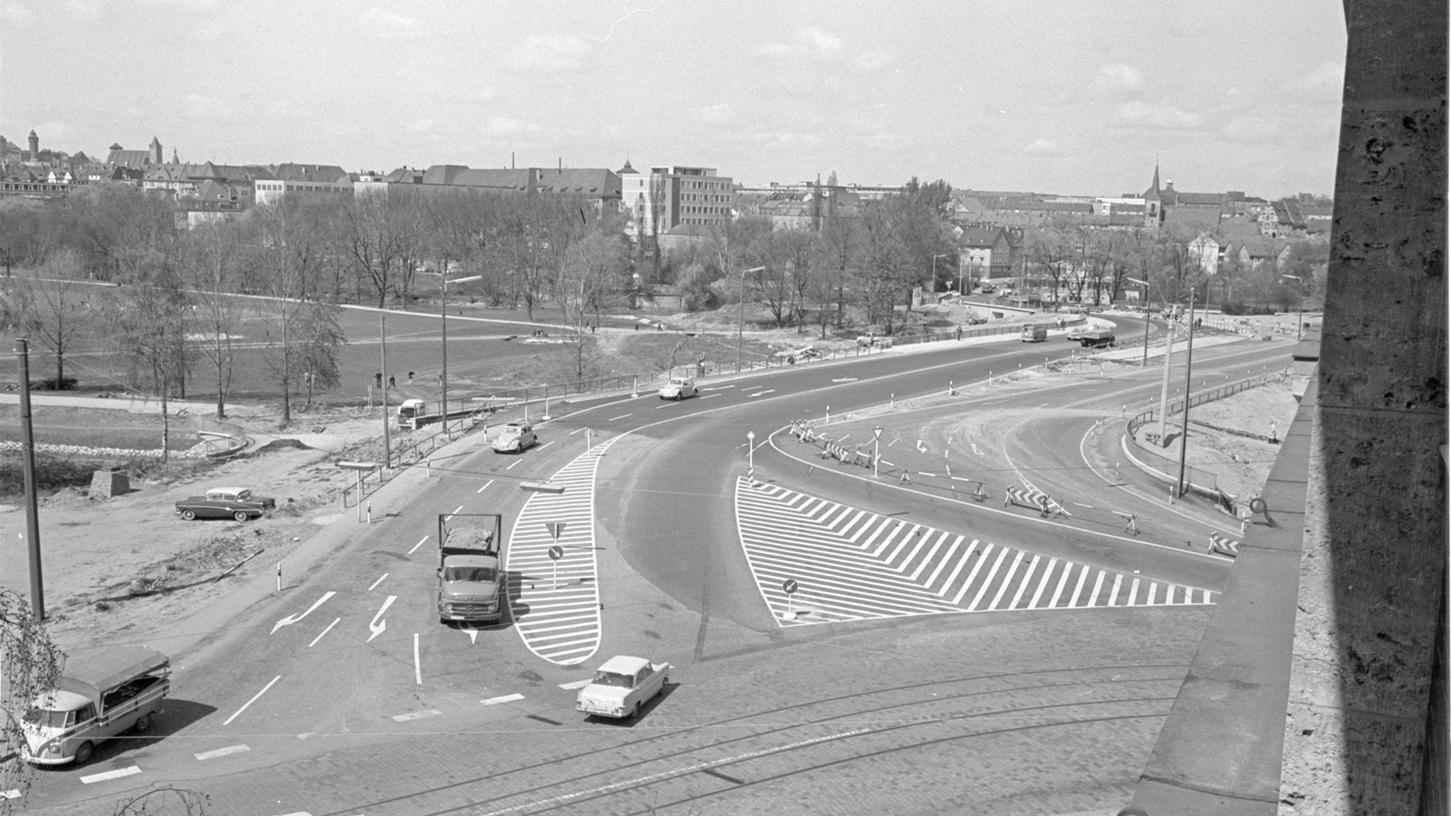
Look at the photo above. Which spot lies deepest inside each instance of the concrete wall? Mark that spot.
(1373, 566)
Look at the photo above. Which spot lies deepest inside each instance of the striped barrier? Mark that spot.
(1223, 545)
(1033, 499)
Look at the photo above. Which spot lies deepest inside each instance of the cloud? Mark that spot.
(507, 125)
(1155, 115)
(1250, 130)
(714, 114)
(547, 52)
(1325, 81)
(1117, 78)
(819, 42)
(389, 26)
(421, 125)
(871, 59)
(198, 106)
(777, 139)
(1043, 147)
(12, 12)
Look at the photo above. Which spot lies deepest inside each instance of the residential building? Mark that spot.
(675, 196)
(599, 186)
(986, 252)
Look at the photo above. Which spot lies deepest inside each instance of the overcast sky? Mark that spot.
(1061, 96)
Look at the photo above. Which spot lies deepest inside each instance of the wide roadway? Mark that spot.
(343, 694)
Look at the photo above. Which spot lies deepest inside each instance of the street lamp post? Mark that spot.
(750, 453)
(1188, 382)
(741, 315)
(383, 386)
(443, 282)
(876, 448)
(1145, 284)
(1300, 311)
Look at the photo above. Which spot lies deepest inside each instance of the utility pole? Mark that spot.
(27, 454)
(1164, 389)
(383, 368)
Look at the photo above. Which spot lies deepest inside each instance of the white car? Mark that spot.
(678, 388)
(621, 686)
(515, 437)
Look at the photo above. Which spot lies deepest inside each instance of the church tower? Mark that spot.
(1153, 203)
(155, 150)
(34, 147)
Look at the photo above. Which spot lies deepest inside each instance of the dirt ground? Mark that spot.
(149, 565)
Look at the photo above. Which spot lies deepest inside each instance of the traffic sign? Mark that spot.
(789, 586)
(556, 553)
(555, 528)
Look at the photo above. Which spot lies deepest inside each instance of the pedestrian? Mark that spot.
(391, 382)
(410, 378)
(378, 379)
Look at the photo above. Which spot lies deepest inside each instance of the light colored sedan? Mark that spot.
(678, 388)
(621, 686)
(516, 437)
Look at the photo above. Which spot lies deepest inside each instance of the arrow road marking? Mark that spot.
(291, 619)
(377, 625)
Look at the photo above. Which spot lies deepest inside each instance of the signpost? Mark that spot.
(789, 586)
(556, 552)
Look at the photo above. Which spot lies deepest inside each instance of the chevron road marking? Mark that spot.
(851, 564)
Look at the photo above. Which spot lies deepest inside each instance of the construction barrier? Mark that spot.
(1223, 545)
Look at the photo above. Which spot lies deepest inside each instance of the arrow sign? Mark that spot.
(789, 586)
(377, 625)
(556, 553)
(291, 619)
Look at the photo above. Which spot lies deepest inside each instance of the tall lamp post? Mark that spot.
(741, 316)
(1144, 284)
(1300, 312)
(1188, 382)
(876, 448)
(443, 282)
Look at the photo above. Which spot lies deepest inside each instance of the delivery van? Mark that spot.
(1034, 334)
(99, 695)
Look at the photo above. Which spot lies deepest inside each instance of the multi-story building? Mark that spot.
(675, 196)
(600, 186)
(310, 180)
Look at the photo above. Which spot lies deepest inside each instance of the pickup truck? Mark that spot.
(470, 580)
(621, 686)
(1093, 338)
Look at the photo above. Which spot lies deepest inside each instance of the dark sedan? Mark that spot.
(237, 503)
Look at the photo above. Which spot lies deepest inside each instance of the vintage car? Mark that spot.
(678, 388)
(238, 503)
(515, 437)
(621, 686)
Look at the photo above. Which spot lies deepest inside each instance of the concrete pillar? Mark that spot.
(1373, 567)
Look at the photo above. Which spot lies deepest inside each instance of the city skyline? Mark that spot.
(1067, 98)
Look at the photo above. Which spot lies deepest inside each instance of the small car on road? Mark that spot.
(238, 503)
(621, 686)
(678, 389)
(516, 437)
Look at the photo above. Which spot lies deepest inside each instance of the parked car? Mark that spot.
(678, 388)
(621, 686)
(516, 437)
(238, 503)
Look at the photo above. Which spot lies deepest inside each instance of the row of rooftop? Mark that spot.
(667, 200)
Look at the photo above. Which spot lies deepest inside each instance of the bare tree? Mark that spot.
(589, 282)
(839, 245)
(29, 664)
(54, 309)
(212, 258)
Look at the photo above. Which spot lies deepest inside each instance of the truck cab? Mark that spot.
(1034, 333)
(409, 411)
(470, 575)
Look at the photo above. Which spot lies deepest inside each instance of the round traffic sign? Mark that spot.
(789, 585)
(1257, 505)
(556, 553)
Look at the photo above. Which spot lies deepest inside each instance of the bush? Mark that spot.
(1244, 309)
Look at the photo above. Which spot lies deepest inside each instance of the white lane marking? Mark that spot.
(575, 685)
(221, 752)
(291, 619)
(507, 698)
(419, 544)
(417, 666)
(473, 636)
(456, 511)
(377, 625)
(578, 430)
(513, 464)
(323, 632)
(544, 445)
(975, 451)
(238, 712)
(485, 487)
(105, 775)
(375, 584)
(621, 416)
(844, 379)
(709, 396)
(13, 793)
(762, 393)
(416, 715)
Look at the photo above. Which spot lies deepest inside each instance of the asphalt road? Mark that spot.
(342, 693)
